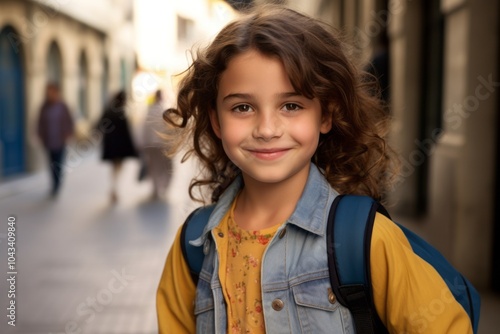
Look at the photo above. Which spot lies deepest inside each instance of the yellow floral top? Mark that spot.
(240, 268)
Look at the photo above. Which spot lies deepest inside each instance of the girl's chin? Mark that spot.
(273, 175)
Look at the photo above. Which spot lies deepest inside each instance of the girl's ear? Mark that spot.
(326, 123)
(214, 121)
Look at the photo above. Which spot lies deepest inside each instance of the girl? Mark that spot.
(283, 122)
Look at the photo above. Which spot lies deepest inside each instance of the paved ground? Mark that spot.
(85, 266)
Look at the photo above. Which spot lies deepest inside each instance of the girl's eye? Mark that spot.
(291, 107)
(242, 108)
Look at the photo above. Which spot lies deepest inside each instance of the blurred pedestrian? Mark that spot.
(117, 141)
(55, 127)
(158, 165)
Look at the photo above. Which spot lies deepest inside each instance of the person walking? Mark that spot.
(117, 143)
(55, 127)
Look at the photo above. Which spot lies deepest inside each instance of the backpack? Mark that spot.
(351, 218)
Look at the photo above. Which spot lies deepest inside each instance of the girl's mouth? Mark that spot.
(269, 154)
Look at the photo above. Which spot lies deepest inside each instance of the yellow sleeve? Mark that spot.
(409, 295)
(175, 295)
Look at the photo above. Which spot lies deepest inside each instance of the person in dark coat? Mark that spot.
(117, 143)
(55, 127)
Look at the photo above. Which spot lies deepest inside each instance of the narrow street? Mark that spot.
(87, 266)
(84, 265)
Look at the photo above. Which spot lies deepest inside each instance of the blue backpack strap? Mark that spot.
(350, 226)
(349, 231)
(192, 229)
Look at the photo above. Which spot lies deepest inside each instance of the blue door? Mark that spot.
(12, 159)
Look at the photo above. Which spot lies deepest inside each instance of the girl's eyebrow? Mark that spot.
(250, 96)
(237, 96)
(288, 94)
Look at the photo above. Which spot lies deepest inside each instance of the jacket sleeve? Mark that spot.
(175, 295)
(409, 294)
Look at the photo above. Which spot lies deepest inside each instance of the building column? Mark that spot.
(405, 32)
(463, 165)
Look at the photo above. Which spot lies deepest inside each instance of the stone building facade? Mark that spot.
(86, 47)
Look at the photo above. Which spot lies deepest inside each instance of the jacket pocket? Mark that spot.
(204, 308)
(318, 309)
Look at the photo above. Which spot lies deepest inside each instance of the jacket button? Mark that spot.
(278, 304)
(282, 233)
(331, 296)
(206, 246)
(220, 234)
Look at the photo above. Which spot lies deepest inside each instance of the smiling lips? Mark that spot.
(269, 153)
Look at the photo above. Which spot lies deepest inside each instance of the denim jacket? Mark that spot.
(296, 293)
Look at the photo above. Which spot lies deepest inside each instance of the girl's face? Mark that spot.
(267, 129)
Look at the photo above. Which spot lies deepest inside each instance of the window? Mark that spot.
(185, 30)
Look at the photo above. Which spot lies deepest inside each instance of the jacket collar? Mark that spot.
(313, 207)
(310, 214)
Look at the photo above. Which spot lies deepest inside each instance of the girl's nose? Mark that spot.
(268, 126)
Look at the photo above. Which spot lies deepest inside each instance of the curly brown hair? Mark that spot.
(353, 156)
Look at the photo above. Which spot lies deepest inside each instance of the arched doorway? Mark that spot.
(12, 111)
(123, 74)
(83, 86)
(105, 81)
(54, 65)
